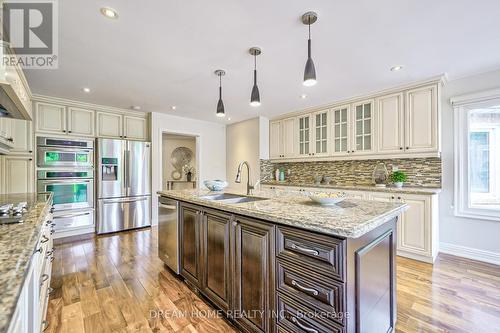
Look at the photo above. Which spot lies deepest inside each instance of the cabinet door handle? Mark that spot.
(69, 131)
(45, 324)
(38, 250)
(392, 197)
(306, 289)
(401, 148)
(306, 250)
(44, 240)
(399, 198)
(10, 139)
(302, 326)
(45, 277)
(407, 147)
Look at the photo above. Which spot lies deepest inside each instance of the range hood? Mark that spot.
(11, 105)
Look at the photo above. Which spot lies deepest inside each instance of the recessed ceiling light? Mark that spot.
(396, 68)
(87, 90)
(173, 107)
(303, 96)
(135, 107)
(109, 12)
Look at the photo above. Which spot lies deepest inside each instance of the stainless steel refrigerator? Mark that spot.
(123, 185)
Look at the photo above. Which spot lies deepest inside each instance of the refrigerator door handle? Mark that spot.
(124, 200)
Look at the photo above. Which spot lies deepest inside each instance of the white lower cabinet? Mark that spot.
(17, 174)
(31, 309)
(418, 236)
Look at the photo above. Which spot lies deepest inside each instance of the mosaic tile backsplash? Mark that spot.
(420, 171)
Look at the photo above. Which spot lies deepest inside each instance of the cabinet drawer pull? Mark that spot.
(309, 290)
(45, 239)
(45, 277)
(302, 326)
(45, 324)
(303, 249)
(49, 253)
(52, 259)
(38, 250)
(50, 290)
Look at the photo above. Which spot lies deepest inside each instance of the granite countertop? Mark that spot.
(370, 188)
(17, 244)
(351, 218)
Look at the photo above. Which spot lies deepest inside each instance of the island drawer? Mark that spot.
(295, 317)
(311, 288)
(319, 253)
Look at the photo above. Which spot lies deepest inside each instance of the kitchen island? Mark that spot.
(284, 264)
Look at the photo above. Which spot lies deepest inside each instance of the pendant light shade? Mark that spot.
(255, 96)
(309, 71)
(220, 104)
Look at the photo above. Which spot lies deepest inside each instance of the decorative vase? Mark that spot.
(398, 184)
(380, 175)
(188, 176)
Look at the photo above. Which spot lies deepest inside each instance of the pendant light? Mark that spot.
(255, 96)
(220, 105)
(309, 72)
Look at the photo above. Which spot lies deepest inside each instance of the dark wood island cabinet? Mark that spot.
(268, 277)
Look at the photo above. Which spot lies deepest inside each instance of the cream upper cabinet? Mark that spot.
(391, 124)
(109, 125)
(321, 133)
(341, 130)
(275, 139)
(135, 128)
(19, 133)
(304, 137)
(50, 118)
(80, 122)
(22, 136)
(17, 174)
(422, 120)
(363, 128)
(289, 137)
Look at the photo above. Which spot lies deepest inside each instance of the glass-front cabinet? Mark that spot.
(304, 129)
(321, 133)
(363, 128)
(341, 127)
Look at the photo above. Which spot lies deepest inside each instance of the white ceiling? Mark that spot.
(161, 53)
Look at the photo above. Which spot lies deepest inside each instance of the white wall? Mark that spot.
(456, 233)
(211, 149)
(246, 141)
(170, 143)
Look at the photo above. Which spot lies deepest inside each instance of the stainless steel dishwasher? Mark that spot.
(168, 233)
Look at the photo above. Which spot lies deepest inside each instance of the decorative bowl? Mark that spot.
(327, 198)
(215, 185)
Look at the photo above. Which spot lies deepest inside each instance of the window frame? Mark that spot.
(462, 105)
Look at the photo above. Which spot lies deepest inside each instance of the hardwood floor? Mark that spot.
(117, 283)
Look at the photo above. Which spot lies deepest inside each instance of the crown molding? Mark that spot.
(84, 105)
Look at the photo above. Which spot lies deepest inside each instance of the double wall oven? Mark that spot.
(65, 167)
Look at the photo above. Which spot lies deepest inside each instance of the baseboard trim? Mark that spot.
(470, 253)
(419, 257)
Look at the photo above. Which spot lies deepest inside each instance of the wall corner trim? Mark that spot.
(470, 253)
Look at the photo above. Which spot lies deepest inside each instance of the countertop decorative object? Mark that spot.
(380, 175)
(327, 198)
(369, 188)
(215, 185)
(350, 218)
(18, 242)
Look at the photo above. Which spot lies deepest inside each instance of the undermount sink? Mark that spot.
(230, 198)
